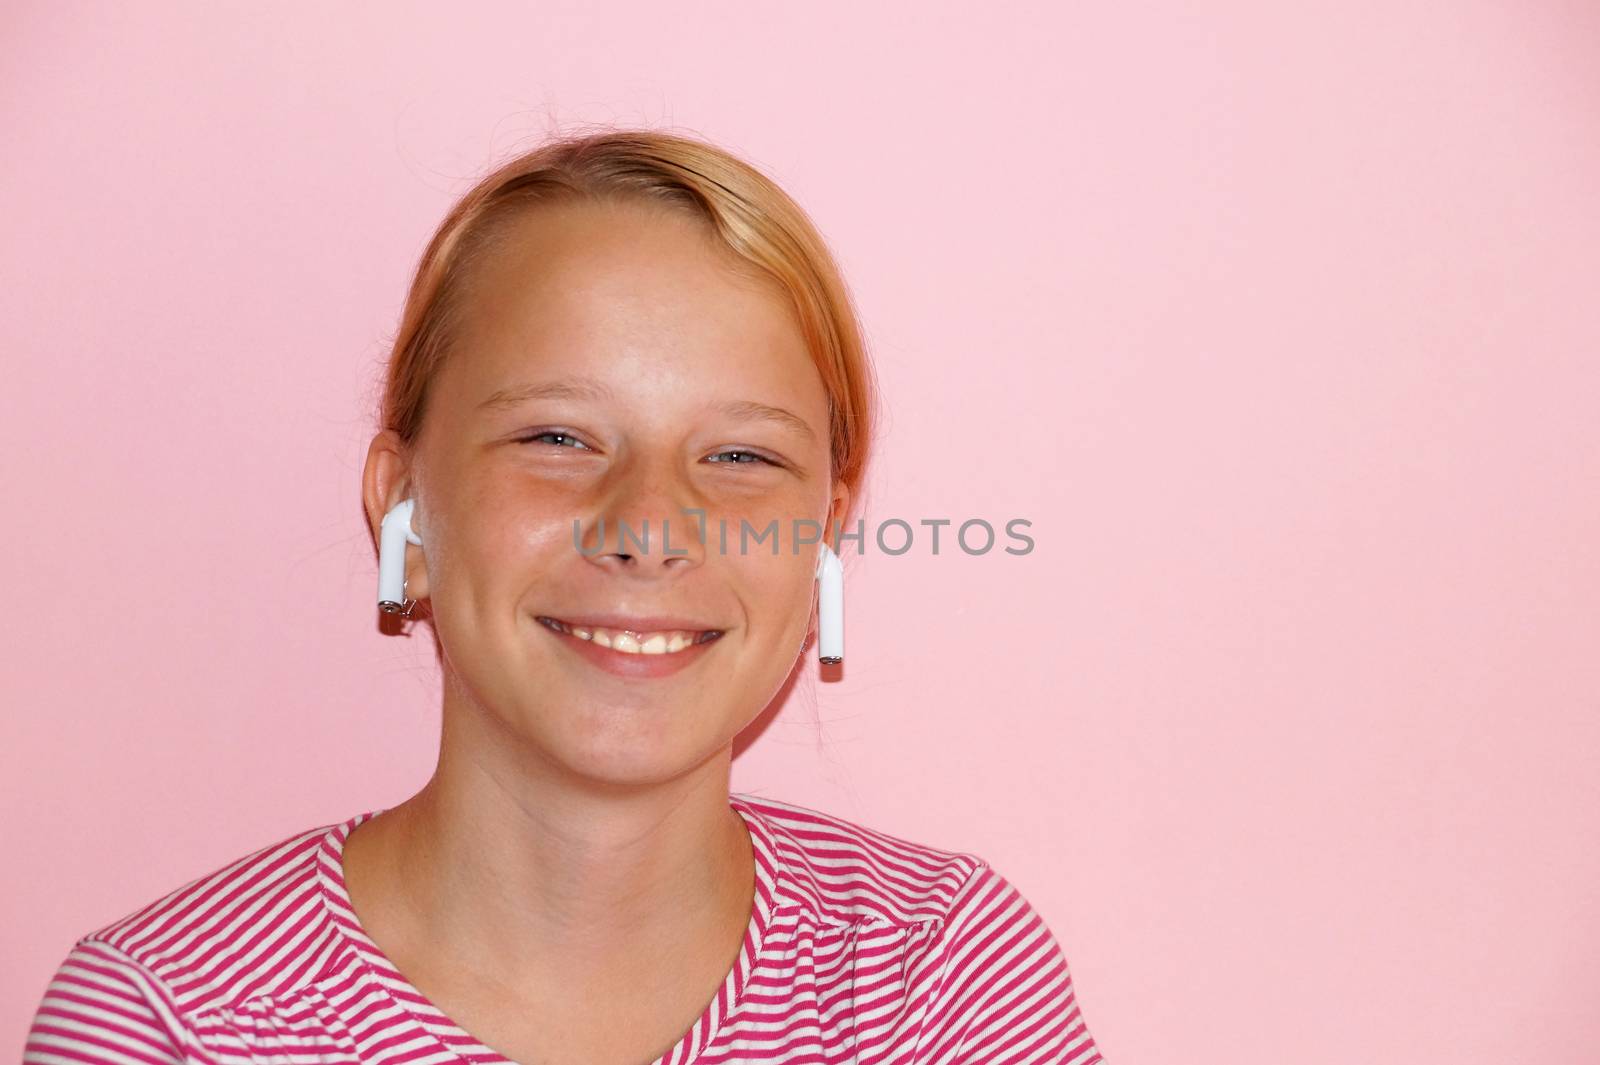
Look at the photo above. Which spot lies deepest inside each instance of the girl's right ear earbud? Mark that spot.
(394, 534)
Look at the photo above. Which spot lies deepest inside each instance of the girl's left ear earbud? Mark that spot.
(830, 607)
(394, 534)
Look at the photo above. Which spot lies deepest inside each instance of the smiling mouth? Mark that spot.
(662, 642)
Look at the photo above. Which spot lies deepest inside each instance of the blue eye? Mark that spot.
(745, 454)
(555, 433)
(733, 457)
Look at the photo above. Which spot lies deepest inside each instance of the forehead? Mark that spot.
(623, 290)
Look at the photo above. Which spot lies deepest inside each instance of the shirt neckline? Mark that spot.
(427, 1021)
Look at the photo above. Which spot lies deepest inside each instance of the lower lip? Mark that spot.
(625, 664)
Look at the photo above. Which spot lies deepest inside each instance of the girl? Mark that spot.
(627, 410)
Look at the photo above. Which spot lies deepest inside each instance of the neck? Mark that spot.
(523, 869)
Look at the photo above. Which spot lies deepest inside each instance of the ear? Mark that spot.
(838, 507)
(388, 479)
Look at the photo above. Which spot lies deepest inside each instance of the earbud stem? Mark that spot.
(830, 607)
(393, 535)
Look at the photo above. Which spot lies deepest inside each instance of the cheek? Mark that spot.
(744, 530)
(780, 596)
(521, 514)
(502, 535)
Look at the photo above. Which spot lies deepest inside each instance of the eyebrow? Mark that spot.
(570, 388)
(588, 388)
(749, 410)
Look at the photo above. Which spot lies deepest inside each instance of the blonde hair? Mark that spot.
(747, 211)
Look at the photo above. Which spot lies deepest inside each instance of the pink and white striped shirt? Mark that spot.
(861, 947)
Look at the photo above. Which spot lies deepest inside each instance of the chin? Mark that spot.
(632, 742)
(627, 769)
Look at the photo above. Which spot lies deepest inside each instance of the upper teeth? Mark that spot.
(638, 643)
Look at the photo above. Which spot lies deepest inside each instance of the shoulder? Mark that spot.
(990, 976)
(101, 1005)
(1003, 983)
(846, 872)
(251, 928)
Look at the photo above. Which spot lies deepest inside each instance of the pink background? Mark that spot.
(1277, 321)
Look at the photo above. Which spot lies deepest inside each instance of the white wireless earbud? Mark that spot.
(830, 607)
(395, 533)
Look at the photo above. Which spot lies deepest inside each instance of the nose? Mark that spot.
(650, 524)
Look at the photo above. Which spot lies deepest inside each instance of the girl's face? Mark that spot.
(613, 365)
